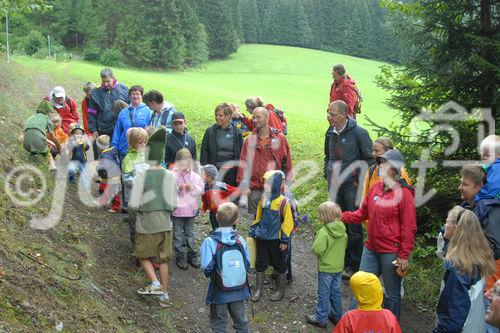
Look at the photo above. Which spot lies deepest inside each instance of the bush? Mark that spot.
(112, 57)
(92, 53)
(33, 42)
(56, 50)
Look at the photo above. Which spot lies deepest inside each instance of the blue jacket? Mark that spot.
(491, 189)
(207, 254)
(455, 304)
(108, 168)
(129, 117)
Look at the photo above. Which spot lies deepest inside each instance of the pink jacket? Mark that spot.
(188, 200)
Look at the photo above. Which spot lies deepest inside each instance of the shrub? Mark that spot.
(91, 53)
(56, 50)
(33, 42)
(112, 57)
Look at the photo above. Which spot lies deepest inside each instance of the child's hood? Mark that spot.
(367, 289)
(335, 229)
(225, 235)
(276, 180)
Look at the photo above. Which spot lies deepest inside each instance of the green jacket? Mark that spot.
(329, 246)
(132, 158)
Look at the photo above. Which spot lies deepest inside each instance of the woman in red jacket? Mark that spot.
(390, 208)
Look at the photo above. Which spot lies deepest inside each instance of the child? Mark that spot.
(223, 243)
(87, 89)
(237, 120)
(369, 316)
(215, 192)
(132, 162)
(59, 133)
(153, 197)
(329, 247)
(490, 156)
(108, 172)
(468, 260)
(272, 232)
(78, 145)
(38, 129)
(189, 188)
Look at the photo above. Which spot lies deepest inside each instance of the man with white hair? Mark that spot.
(64, 106)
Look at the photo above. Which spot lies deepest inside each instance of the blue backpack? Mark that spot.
(231, 267)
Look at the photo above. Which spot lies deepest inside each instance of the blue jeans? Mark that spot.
(329, 296)
(381, 263)
(73, 166)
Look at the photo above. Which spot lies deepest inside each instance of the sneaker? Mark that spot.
(163, 300)
(194, 262)
(311, 319)
(182, 265)
(112, 211)
(151, 290)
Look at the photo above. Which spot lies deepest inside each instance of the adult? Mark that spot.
(274, 120)
(265, 149)
(87, 89)
(493, 311)
(101, 117)
(346, 143)
(162, 110)
(390, 208)
(178, 139)
(137, 114)
(344, 89)
(65, 106)
(221, 145)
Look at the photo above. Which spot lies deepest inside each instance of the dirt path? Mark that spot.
(187, 290)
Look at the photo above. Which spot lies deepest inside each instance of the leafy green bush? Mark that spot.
(56, 50)
(112, 57)
(33, 42)
(92, 53)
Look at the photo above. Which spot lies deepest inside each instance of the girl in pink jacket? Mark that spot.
(190, 187)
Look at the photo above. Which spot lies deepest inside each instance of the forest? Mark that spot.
(174, 34)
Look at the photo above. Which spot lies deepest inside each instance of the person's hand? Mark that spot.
(50, 143)
(188, 187)
(243, 201)
(283, 247)
(403, 264)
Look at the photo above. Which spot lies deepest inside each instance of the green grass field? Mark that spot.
(293, 79)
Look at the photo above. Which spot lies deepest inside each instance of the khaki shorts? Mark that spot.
(157, 246)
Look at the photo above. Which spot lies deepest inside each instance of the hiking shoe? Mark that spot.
(150, 290)
(182, 265)
(194, 262)
(311, 319)
(163, 300)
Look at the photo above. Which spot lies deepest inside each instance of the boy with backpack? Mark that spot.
(225, 260)
(272, 229)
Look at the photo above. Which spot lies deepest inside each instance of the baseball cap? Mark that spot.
(178, 116)
(58, 92)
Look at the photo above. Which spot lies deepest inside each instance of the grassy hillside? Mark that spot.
(294, 79)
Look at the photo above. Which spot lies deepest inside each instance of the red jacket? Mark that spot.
(368, 321)
(217, 194)
(393, 219)
(274, 120)
(68, 113)
(258, 156)
(85, 116)
(343, 89)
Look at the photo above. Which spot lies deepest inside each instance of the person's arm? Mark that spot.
(240, 176)
(248, 122)
(287, 225)
(408, 223)
(136, 193)
(207, 255)
(73, 108)
(117, 133)
(92, 110)
(357, 216)
(193, 151)
(320, 244)
(204, 150)
(365, 145)
(169, 154)
(327, 155)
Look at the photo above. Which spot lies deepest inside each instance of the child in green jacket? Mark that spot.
(329, 247)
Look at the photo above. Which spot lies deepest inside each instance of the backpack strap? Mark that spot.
(371, 170)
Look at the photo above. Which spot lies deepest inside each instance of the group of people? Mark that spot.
(148, 169)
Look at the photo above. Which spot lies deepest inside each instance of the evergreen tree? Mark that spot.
(250, 21)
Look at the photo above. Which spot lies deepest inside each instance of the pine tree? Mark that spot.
(250, 21)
